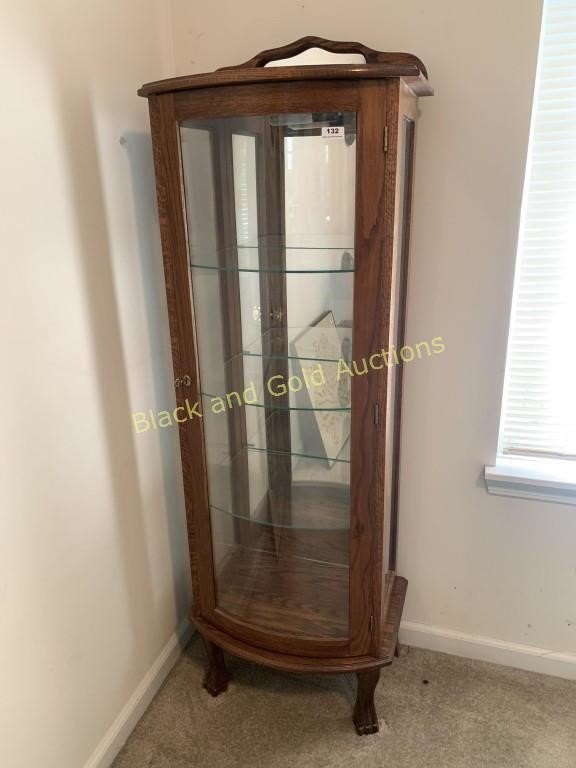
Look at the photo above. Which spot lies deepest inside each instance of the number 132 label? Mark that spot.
(333, 131)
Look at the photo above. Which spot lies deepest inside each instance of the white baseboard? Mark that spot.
(488, 649)
(114, 740)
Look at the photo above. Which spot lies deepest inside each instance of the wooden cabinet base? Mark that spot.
(366, 668)
(316, 665)
(364, 716)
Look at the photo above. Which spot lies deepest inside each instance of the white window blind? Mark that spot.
(539, 407)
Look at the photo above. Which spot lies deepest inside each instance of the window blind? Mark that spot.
(539, 406)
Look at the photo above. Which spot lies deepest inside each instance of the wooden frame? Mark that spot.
(382, 99)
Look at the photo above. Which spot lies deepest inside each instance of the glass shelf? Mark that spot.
(311, 494)
(306, 440)
(280, 403)
(324, 438)
(343, 456)
(303, 519)
(317, 254)
(294, 265)
(308, 343)
(298, 384)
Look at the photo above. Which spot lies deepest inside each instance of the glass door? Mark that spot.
(270, 206)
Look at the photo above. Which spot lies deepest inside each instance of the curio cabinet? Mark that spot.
(284, 196)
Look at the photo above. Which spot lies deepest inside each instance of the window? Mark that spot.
(538, 424)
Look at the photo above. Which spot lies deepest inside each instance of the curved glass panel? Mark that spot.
(270, 212)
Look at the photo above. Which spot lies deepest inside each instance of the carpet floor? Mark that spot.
(436, 711)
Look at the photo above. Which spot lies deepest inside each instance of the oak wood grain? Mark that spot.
(410, 73)
(372, 278)
(172, 218)
(285, 594)
(290, 662)
(371, 56)
(266, 99)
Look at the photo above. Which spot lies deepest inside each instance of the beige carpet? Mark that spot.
(436, 711)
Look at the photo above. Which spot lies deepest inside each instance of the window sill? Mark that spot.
(541, 479)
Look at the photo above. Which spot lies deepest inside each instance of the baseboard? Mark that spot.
(488, 649)
(113, 741)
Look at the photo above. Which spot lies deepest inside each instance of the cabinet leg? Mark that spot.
(216, 677)
(365, 717)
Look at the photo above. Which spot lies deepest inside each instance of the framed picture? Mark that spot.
(323, 344)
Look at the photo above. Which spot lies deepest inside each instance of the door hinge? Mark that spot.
(385, 140)
(376, 414)
(371, 624)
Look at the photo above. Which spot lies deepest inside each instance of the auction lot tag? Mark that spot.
(332, 131)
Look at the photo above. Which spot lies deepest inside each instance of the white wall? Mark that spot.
(496, 567)
(93, 564)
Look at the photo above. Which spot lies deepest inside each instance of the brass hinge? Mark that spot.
(385, 142)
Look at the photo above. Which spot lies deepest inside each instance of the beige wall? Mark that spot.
(495, 567)
(93, 568)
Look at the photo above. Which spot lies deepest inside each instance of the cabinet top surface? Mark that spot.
(378, 65)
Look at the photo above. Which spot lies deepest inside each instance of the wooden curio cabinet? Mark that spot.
(284, 202)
